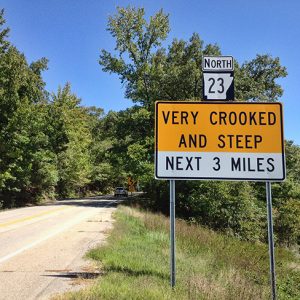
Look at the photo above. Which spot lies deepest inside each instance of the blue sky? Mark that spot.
(70, 33)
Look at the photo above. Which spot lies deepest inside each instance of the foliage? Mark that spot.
(226, 206)
(23, 151)
(288, 222)
(45, 140)
(151, 73)
(73, 158)
(4, 44)
(256, 80)
(135, 38)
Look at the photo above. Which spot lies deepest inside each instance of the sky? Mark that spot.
(71, 33)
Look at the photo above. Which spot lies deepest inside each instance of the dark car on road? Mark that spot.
(120, 191)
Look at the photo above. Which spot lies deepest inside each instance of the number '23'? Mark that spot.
(221, 85)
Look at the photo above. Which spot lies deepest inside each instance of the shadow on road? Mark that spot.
(74, 275)
(97, 201)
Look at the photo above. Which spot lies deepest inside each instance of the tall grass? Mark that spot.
(135, 262)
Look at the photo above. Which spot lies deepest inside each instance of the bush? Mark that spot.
(287, 223)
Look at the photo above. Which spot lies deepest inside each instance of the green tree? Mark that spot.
(72, 141)
(124, 136)
(103, 173)
(26, 165)
(46, 142)
(135, 40)
(4, 44)
(151, 72)
(287, 222)
(286, 197)
(256, 80)
(226, 206)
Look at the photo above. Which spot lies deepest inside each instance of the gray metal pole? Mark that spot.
(172, 233)
(271, 240)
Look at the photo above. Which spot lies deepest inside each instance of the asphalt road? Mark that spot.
(42, 247)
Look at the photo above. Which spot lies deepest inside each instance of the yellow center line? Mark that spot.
(32, 217)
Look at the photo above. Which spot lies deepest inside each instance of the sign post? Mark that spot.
(271, 240)
(172, 234)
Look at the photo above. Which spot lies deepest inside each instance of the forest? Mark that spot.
(53, 147)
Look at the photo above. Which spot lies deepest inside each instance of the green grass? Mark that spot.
(135, 263)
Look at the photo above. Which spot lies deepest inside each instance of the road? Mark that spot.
(42, 247)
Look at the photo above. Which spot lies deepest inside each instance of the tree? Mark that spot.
(126, 141)
(286, 197)
(135, 39)
(26, 165)
(151, 73)
(256, 80)
(4, 44)
(71, 143)
(225, 206)
(287, 222)
(45, 140)
(103, 176)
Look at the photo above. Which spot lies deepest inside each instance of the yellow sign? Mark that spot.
(237, 141)
(131, 184)
(131, 188)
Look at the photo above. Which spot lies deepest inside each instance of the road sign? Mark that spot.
(224, 141)
(131, 184)
(218, 77)
(217, 63)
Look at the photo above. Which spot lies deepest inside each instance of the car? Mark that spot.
(120, 191)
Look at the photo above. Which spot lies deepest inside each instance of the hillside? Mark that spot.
(135, 263)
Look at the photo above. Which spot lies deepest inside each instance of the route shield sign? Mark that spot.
(219, 140)
(218, 77)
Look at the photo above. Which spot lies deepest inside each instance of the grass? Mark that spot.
(135, 262)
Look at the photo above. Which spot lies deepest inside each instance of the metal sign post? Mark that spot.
(271, 240)
(172, 233)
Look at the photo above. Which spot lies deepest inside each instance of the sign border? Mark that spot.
(219, 178)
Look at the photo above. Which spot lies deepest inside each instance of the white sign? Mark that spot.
(217, 63)
(216, 85)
